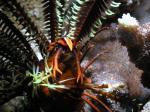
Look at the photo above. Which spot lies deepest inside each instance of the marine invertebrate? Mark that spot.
(59, 80)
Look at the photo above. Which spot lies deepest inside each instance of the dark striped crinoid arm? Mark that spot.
(16, 57)
(16, 13)
(54, 16)
(14, 45)
(85, 17)
(12, 78)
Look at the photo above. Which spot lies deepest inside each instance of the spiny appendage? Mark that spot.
(96, 99)
(90, 103)
(96, 89)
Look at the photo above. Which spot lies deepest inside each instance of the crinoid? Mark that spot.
(52, 77)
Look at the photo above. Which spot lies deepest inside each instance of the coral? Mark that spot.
(146, 108)
(136, 38)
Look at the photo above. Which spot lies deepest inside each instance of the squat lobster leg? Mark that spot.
(55, 63)
(79, 72)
